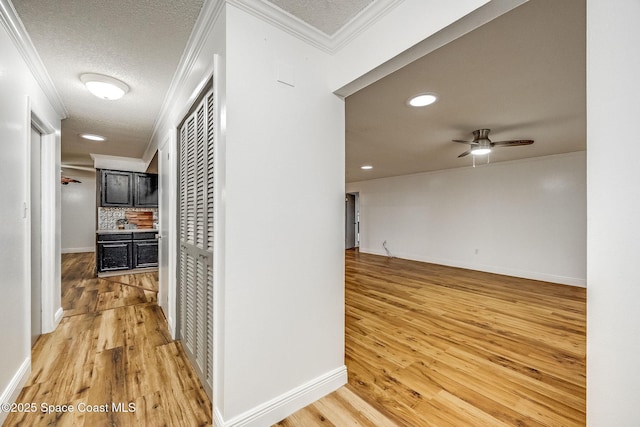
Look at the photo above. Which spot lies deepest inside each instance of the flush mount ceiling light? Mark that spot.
(422, 99)
(104, 87)
(366, 167)
(92, 137)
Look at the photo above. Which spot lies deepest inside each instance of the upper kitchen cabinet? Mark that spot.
(145, 190)
(128, 189)
(116, 188)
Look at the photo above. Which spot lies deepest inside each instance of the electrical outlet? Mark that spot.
(477, 250)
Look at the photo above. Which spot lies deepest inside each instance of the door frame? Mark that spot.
(167, 211)
(49, 210)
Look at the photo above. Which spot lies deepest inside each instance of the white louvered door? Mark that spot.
(195, 258)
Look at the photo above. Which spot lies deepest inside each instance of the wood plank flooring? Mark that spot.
(429, 345)
(112, 347)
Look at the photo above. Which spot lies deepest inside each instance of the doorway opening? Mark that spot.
(352, 221)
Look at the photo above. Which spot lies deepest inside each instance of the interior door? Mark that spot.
(195, 246)
(36, 235)
(164, 207)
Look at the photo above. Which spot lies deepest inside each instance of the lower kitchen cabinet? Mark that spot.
(145, 253)
(126, 251)
(114, 256)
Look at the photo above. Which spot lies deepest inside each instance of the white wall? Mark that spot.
(613, 168)
(284, 289)
(525, 218)
(79, 213)
(21, 96)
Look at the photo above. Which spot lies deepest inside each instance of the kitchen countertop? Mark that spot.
(132, 230)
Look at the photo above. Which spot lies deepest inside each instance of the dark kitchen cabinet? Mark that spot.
(116, 188)
(114, 252)
(145, 190)
(127, 189)
(145, 250)
(126, 251)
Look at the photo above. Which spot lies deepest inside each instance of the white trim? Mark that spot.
(50, 176)
(203, 27)
(218, 421)
(167, 241)
(219, 227)
(172, 327)
(58, 315)
(286, 404)
(290, 24)
(11, 22)
(11, 392)
(78, 250)
(514, 272)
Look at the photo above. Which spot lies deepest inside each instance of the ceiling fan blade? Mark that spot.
(464, 142)
(465, 153)
(513, 143)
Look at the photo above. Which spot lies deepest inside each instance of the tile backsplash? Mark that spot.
(107, 217)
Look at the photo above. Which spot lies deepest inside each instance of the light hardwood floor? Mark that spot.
(112, 346)
(428, 345)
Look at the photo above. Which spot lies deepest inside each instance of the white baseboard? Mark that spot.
(172, 327)
(533, 275)
(218, 421)
(78, 250)
(286, 404)
(58, 316)
(13, 389)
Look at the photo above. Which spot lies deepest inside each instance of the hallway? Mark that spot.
(111, 361)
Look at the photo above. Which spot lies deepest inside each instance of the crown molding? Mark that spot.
(283, 20)
(17, 32)
(363, 20)
(272, 14)
(207, 18)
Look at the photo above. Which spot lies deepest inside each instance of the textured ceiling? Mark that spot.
(327, 16)
(521, 75)
(138, 42)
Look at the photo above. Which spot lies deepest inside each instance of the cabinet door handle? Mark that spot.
(158, 237)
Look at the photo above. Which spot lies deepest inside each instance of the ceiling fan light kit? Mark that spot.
(482, 145)
(479, 151)
(104, 87)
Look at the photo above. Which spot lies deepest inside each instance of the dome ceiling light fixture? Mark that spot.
(104, 87)
(92, 137)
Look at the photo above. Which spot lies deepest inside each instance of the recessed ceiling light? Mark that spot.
(422, 99)
(366, 167)
(92, 137)
(104, 87)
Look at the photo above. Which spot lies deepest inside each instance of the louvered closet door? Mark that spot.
(195, 272)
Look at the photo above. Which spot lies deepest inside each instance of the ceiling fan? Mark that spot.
(481, 143)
